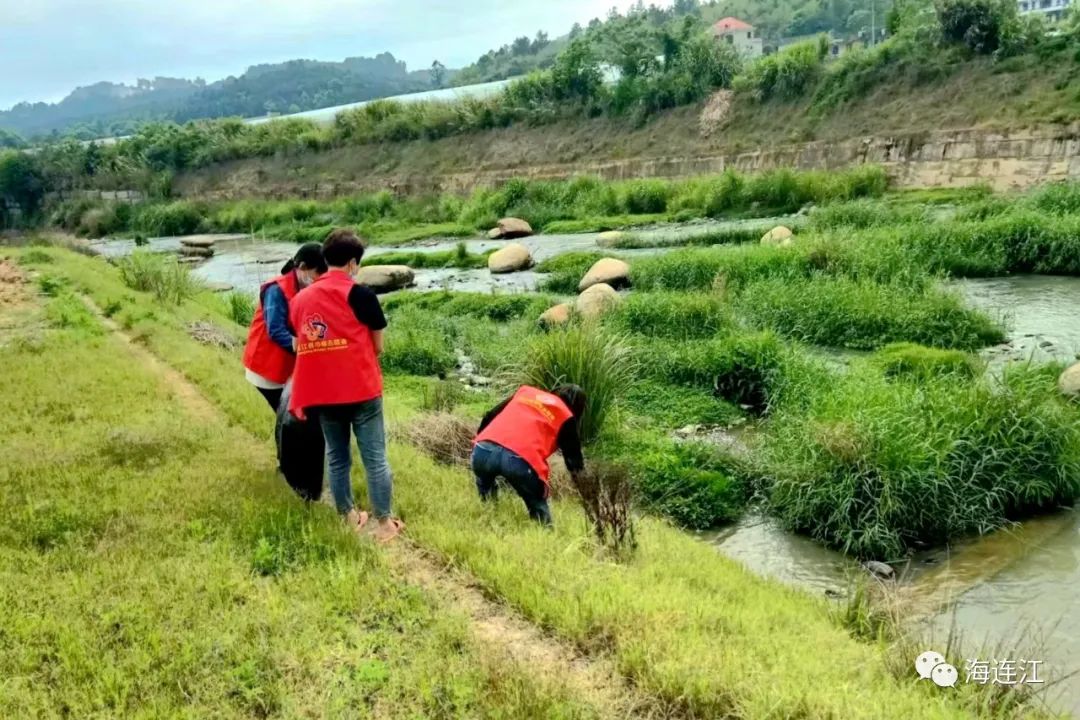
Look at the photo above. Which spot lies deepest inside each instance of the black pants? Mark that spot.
(491, 461)
(272, 396)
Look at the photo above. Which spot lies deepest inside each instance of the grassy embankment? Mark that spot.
(152, 565)
(688, 627)
(559, 206)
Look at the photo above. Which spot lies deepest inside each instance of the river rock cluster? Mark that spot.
(598, 293)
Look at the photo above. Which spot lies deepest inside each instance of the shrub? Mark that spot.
(598, 361)
(785, 74)
(978, 24)
(865, 214)
(167, 219)
(873, 467)
(919, 362)
(604, 492)
(447, 438)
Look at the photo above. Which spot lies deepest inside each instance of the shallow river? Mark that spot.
(1017, 590)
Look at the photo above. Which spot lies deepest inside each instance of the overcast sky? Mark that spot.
(48, 47)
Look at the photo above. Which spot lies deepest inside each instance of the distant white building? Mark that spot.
(741, 35)
(1052, 9)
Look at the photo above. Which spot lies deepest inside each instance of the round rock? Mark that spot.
(597, 300)
(511, 258)
(779, 236)
(610, 271)
(1069, 382)
(556, 316)
(510, 228)
(385, 278)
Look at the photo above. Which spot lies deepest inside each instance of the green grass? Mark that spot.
(873, 466)
(154, 565)
(457, 258)
(911, 361)
(695, 631)
(863, 315)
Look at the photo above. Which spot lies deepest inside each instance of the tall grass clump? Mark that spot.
(605, 493)
(598, 361)
(240, 307)
(873, 466)
(865, 315)
(673, 315)
(419, 345)
(864, 214)
(162, 275)
(918, 362)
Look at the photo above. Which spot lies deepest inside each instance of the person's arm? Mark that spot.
(570, 444)
(276, 316)
(365, 306)
(492, 413)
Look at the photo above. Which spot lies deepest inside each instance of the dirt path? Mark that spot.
(500, 631)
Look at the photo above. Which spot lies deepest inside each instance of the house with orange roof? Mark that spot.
(741, 35)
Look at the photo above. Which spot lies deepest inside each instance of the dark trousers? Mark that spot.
(491, 461)
(272, 396)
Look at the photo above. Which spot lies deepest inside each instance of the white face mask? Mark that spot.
(305, 278)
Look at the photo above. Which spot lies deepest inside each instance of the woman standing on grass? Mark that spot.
(269, 356)
(338, 379)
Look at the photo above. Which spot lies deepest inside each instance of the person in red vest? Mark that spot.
(337, 378)
(517, 437)
(269, 355)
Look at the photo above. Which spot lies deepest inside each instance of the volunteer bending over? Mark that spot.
(517, 437)
(268, 355)
(338, 380)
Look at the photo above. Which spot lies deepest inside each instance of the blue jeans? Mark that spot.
(491, 461)
(366, 421)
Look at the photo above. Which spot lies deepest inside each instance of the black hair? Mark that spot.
(341, 246)
(573, 396)
(310, 255)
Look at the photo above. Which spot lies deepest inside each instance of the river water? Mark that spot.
(1015, 590)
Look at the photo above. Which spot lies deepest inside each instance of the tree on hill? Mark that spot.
(438, 74)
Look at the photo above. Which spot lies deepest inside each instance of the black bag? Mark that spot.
(300, 451)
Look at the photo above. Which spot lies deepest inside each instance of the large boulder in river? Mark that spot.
(1069, 382)
(385, 278)
(610, 271)
(596, 301)
(511, 258)
(779, 236)
(510, 228)
(198, 252)
(556, 316)
(198, 241)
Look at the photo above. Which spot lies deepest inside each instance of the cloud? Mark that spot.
(52, 46)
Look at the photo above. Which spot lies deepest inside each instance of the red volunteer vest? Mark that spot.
(336, 362)
(529, 426)
(262, 355)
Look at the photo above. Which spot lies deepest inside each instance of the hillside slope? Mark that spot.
(979, 94)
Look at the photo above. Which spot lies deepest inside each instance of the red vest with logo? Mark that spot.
(529, 426)
(336, 362)
(262, 355)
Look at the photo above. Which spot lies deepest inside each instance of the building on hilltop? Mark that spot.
(741, 35)
(1052, 10)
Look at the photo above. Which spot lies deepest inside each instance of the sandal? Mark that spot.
(396, 527)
